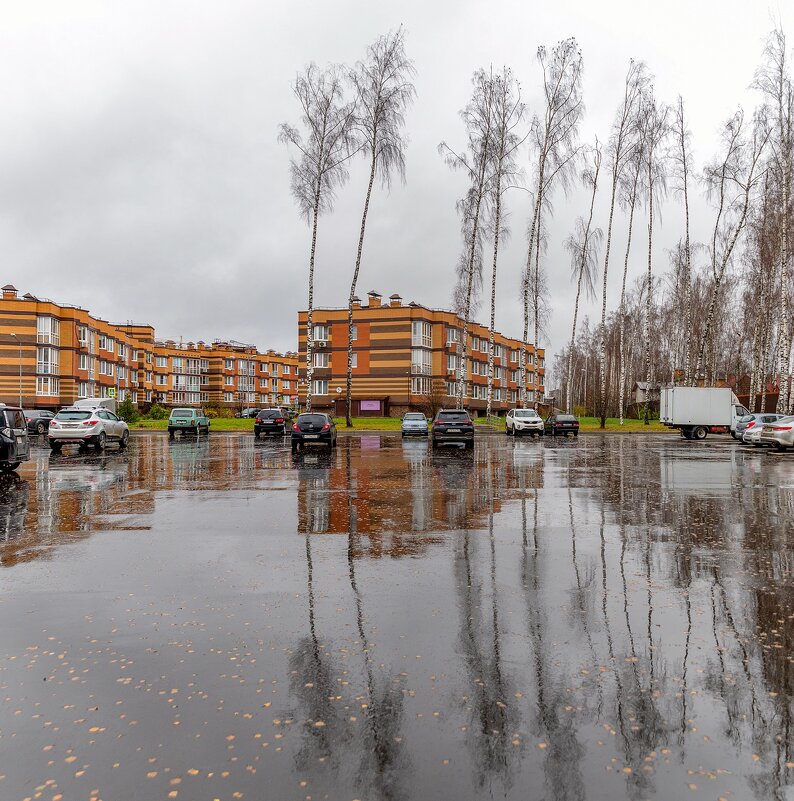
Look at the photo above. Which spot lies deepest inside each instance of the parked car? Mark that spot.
(191, 421)
(250, 412)
(14, 444)
(86, 426)
(270, 421)
(38, 420)
(314, 428)
(752, 436)
(453, 425)
(523, 421)
(562, 424)
(414, 424)
(752, 424)
(780, 434)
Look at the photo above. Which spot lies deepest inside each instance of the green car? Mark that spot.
(188, 420)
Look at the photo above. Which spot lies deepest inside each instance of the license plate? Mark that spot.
(311, 436)
(453, 431)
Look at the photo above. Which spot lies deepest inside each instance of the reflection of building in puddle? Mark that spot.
(14, 492)
(395, 492)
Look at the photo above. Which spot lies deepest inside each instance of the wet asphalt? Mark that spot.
(602, 618)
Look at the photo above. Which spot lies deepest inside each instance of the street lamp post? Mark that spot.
(19, 343)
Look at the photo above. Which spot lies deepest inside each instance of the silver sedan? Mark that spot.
(780, 434)
(414, 424)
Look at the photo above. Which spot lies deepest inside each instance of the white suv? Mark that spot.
(87, 426)
(523, 421)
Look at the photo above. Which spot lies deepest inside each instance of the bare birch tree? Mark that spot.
(478, 118)
(681, 160)
(555, 137)
(508, 111)
(655, 129)
(628, 194)
(774, 80)
(384, 89)
(619, 151)
(731, 180)
(319, 168)
(583, 247)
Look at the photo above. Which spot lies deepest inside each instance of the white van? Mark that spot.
(95, 403)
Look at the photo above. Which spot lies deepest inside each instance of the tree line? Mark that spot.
(720, 307)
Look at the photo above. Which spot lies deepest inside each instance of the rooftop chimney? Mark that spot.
(374, 299)
(356, 302)
(395, 300)
(9, 292)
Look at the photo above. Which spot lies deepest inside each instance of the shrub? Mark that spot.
(127, 411)
(158, 412)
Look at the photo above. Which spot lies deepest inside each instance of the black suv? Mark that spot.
(14, 445)
(453, 425)
(38, 420)
(270, 421)
(313, 428)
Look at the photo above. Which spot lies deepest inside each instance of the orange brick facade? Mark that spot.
(404, 354)
(67, 353)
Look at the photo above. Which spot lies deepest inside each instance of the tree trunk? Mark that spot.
(603, 340)
(522, 362)
(537, 317)
(497, 223)
(349, 385)
(621, 353)
(648, 295)
(784, 345)
(309, 313)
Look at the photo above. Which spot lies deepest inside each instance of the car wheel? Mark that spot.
(55, 446)
(699, 432)
(7, 467)
(124, 441)
(435, 442)
(101, 441)
(469, 445)
(779, 447)
(40, 428)
(295, 447)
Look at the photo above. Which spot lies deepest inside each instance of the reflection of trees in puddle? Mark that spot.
(494, 716)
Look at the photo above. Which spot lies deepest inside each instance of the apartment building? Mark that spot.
(51, 354)
(404, 354)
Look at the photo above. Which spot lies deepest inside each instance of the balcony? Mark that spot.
(421, 369)
(48, 338)
(44, 368)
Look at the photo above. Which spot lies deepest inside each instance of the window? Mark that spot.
(161, 361)
(106, 368)
(263, 367)
(228, 364)
(513, 355)
(453, 335)
(122, 373)
(228, 397)
(421, 361)
(421, 334)
(122, 349)
(452, 362)
(354, 332)
(319, 387)
(475, 343)
(103, 342)
(205, 365)
(47, 386)
(48, 331)
(321, 360)
(285, 384)
(514, 376)
(420, 385)
(263, 382)
(320, 332)
(497, 351)
(148, 396)
(148, 376)
(47, 361)
(355, 360)
(85, 390)
(134, 376)
(483, 346)
(452, 388)
(274, 368)
(162, 381)
(177, 363)
(286, 370)
(513, 396)
(229, 379)
(82, 335)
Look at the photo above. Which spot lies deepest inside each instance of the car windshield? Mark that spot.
(315, 419)
(182, 413)
(747, 418)
(414, 416)
(72, 414)
(565, 418)
(526, 413)
(270, 414)
(454, 417)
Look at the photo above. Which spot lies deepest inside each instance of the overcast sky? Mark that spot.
(141, 177)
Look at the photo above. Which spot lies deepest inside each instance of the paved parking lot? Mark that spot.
(604, 618)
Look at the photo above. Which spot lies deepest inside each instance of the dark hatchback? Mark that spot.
(38, 420)
(562, 424)
(270, 421)
(313, 428)
(453, 425)
(14, 445)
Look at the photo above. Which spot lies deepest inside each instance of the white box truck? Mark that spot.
(695, 410)
(95, 403)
